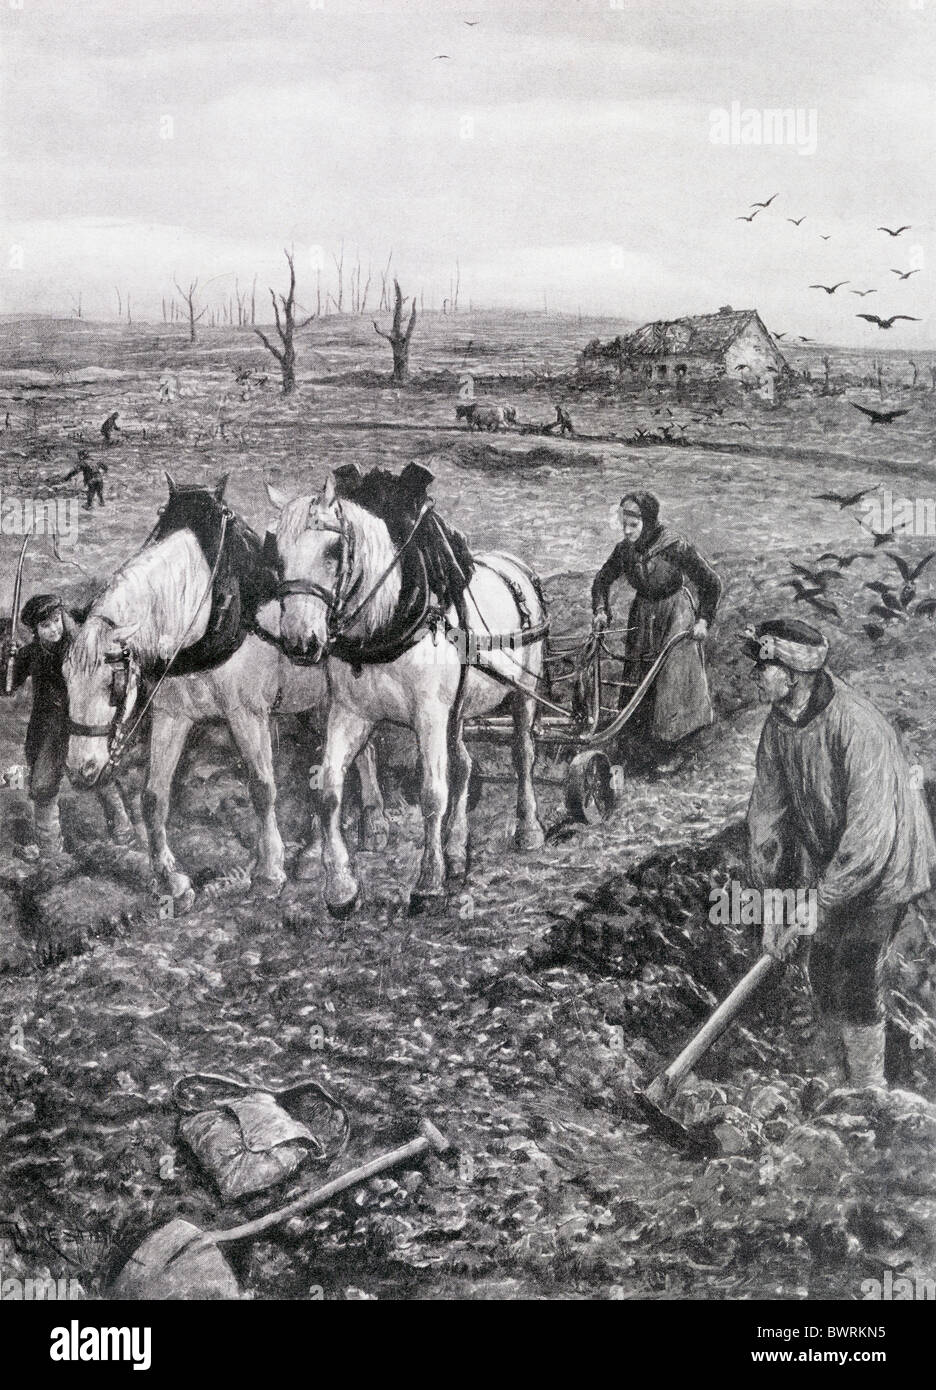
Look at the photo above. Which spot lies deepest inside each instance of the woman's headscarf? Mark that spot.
(649, 508)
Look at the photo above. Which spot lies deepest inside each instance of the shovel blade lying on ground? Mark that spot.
(172, 1264)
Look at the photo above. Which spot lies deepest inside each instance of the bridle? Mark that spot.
(338, 617)
(122, 695)
(336, 598)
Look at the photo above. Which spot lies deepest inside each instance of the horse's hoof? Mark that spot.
(426, 904)
(269, 886)
(342, 911)
(530, 837)
(374, 832)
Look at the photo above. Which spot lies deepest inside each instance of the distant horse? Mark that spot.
(341, 578)
(169, 603)
(488, 417)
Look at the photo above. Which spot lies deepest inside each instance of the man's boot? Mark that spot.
(864, 1053)
(48, 829)
(119, 823)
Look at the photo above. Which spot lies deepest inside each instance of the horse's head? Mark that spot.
(313, 543)
(103, 679)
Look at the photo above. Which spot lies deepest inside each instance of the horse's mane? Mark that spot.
(373, 553)
(134, 594)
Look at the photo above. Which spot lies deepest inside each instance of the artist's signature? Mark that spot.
(81, 1246)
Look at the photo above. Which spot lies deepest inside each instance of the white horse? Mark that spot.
(156, 604)
(341, 575)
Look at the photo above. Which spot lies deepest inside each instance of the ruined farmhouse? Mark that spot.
(732, 342)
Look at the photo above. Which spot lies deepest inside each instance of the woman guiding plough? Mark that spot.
(660, 565)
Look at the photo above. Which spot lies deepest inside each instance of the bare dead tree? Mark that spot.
(362, 307)
(318, 292)
(119, 303)
(76, 306)
(916, 372)
(129, 319)
(398, 338)
(457, 287)
(827, 364)
(253, 302)
(164, 308)
(286, 327)
(188, 298)
(339, 266)
(933, 378)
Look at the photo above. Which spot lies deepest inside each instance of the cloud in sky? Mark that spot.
(563, 146)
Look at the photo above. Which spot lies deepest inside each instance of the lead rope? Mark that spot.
(122, 740)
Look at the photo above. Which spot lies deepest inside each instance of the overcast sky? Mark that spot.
(564, 146)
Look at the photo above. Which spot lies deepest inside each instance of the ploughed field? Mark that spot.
(522, 1019)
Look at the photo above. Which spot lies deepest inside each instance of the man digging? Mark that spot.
(47, 734)
(835, 806)
(92, 476)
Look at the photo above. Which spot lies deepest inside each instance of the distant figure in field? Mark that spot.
(109, 428)
(7, 424)
(92, 476)
(564, 421)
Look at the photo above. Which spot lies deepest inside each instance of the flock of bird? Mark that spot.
(894, 605)
(756, 209)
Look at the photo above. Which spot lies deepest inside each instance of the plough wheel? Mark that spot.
(590, 795)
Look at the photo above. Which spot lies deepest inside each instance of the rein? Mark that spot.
(336, 599)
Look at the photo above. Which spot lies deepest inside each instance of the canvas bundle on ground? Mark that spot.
(249, 1139)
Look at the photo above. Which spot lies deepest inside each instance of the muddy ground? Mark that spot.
(522, 1019)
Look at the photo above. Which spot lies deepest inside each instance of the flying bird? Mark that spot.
(748, 219)
(909, 575)
(829, 289)
(764, 205)
(888, 597)
(778, 336)
(802, 591)
(887, 614)
(887, 323)
(824, 238)
(441, 55)
(818, 578)
(843, 561)
(471, 22)
(889, 231)
(796, 220)
(843, 500)
(805, 340)
(879, 417)
(905, 274)
(862, 292)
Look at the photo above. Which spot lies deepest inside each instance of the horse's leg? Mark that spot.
(456, 826)
(345, 735)
(432, 733)
(167, 739)
(251, 733)
(375, 830)
(529, 833)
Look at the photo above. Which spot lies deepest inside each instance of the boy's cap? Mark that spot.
(40, 607)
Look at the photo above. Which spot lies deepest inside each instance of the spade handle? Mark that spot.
(414, 1149)
(669, 1080)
